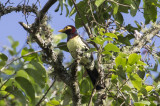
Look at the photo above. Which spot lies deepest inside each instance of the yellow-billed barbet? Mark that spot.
(77, 46)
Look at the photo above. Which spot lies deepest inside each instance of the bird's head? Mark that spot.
(70, 31)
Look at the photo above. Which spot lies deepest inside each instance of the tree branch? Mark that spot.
(42, 13)
(147, 36)
(92, 95)
(24, 8)
(76, 98)
(54, 59)
(41, 100)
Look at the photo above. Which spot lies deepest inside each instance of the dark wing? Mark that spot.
(87, 46)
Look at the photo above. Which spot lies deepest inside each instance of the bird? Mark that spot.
(78, 46)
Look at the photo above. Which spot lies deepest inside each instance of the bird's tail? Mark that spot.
(93, 74)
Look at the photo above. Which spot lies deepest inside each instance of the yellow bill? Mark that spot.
(66, 28)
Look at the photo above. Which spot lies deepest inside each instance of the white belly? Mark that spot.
(77, 47)
(74, 45)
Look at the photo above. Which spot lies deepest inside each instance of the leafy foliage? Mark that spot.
(25, 80)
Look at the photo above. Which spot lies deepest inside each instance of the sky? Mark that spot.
(9, 25)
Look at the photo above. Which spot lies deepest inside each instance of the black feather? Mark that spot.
(93, 74)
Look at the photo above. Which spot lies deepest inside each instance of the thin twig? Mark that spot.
(89, 32)
(4, 83)
(41, 100)
(2, 98)
(94, 19)
(87, 29)
(91, 97)
(15, 59)
(41, 14)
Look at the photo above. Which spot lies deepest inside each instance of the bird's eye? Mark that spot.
(67, 28)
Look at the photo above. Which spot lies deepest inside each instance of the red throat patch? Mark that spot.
(73, 30)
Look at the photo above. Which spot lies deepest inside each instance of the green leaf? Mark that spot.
(108, 39)
(22, 73)
(115, 8)
(17, 93)
(127, 2)
(72, 11)
(138, 25)
(61, 4)
(149, 88)
(3, 102)
(133, 58)
(59, 37)
(121, 74)
(29, 57)
(70, 3)
(38, 73)
(119, 18)
(98, 40)
(10, 39)
(99, 2)
(114, 78)
(63, 46)
(27, 87)
(130, 69)
(80, 6)
(126, 88)
(67, 95)
(122, 55)
(12, 52)
(56, 10)
(53, 103)
(142, 91)
(111, 35)
(150, 11)
(15, 44)
(142, 103)
(152, 103)
(111, 47)
(141, 74)
(85, 98)
(3, 57)
(91, 50)
(84, 87)
(124, 40)
(83, 10)
(136, 80)
(8, 72)
(122, 8)
(134, 7)
(153, 12)
(37, 76)
(134, 97)
(78, 20)
(66, 9)
(120, 61)
(141, 63)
